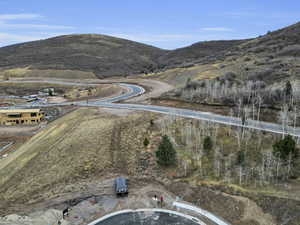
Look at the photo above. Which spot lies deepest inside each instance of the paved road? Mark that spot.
(215, 118)
(147, 217)
(202, 212)
(134, 90)
(8, 144)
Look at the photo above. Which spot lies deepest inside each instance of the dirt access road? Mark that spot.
(92, 200)
(153, 88)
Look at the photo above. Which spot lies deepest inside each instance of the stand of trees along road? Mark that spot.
(229, 154)
(246, 99)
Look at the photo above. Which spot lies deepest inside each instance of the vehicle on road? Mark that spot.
(121, 186)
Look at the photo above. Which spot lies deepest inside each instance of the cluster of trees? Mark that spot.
(227, 91)
(247, 99)
(224, 153)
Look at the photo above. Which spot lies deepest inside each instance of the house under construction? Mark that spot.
(10, 117)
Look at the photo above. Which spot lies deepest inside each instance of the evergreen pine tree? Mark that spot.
(285, 147)
(288, 89)
(207, 144)
(166, 154)
(146, 142)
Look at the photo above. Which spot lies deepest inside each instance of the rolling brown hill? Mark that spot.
(272, 58)
(274, 53)
(103, 55)
(200, 52)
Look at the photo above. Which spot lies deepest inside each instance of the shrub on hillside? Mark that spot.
(146, 142)
(292, 50)
(230, 76)
(261, 75)
(207, 144)
(194, 84)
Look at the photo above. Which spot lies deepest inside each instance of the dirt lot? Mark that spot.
(62, 92)
(153, 88)
(90, 200)
(95, 199)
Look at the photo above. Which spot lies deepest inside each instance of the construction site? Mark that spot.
(71, 163)
(10, 117)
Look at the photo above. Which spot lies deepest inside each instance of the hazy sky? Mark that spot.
(163, 23)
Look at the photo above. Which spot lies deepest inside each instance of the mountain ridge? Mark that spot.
(107, 56)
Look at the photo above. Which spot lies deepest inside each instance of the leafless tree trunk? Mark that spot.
(283, 116)
(240, 175)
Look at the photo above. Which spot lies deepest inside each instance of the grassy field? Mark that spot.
(11, 88)
(62, 74)
(179, 76)
(103, 90)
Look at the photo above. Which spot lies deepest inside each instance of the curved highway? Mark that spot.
(149, 216)
(135, 90)
(207, 116)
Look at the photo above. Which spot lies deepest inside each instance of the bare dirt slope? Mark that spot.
(84, 143)
(154, 89)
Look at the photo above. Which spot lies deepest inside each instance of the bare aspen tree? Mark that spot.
(215, 136)
(295, 117)
(217, 161)
(240, 103)
(278, 164)
(283, 116)
(185, 167)
(253, 109)
(226, 166)
(289, 165)
(259, 100)
(240, 175)
(238, 136)
(262, 171)
(188, 135)
(259, 140)
(227, 172)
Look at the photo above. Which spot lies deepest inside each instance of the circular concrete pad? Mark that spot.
(147, 218)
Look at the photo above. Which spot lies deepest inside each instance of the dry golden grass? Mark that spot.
(57, 153)
(103, 90)
(62, 74)
(33, 85)
(83, 144)
(179, 76)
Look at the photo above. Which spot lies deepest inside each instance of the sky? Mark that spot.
(167, 24)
